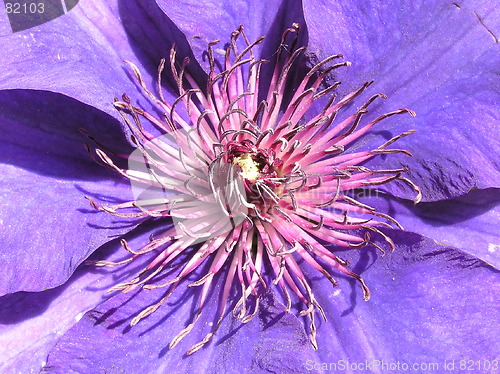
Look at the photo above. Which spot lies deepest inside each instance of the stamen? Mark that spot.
(248, 182)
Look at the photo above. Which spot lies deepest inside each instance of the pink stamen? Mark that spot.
(249, 186)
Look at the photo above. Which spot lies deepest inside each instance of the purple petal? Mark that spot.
(32, 323)
(429, 304)
(269, 19)
(469, 222)
(436, 59)
(48, 225)
(81, 53)
(103, 340)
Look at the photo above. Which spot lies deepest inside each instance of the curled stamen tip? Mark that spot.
(410, 112)
(92, 203)
(348, 63)
(418, 198)
(366, 292)
(194, 349)
(134, 140)
(246, 319)
(313, 342)
(137, 319)
(146, 312)
(198, 346)
(134, 322)
(119, 105)
(118, 287)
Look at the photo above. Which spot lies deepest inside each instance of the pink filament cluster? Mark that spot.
(251, 231)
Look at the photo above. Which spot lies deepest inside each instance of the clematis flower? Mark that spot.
(429, 300)
(249, 183)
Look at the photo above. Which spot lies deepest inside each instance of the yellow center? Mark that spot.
(249, 168)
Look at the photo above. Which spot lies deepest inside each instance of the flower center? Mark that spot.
(250, 169)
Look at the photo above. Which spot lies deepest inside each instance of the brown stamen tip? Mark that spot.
(93, 204)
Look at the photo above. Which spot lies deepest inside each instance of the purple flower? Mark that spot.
(432, 299)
